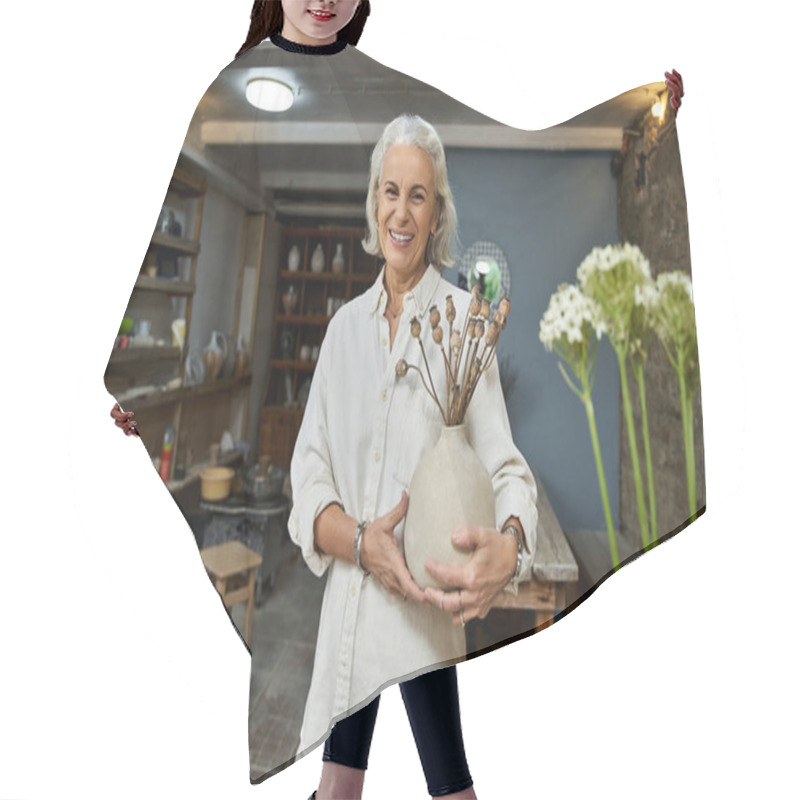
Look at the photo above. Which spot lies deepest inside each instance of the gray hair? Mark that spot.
(414, 131)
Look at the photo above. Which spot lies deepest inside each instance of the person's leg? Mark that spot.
(433, 710)
(345, 755)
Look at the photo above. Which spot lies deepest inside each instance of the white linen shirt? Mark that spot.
(363, 433)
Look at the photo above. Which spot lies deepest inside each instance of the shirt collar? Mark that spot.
(415, 300)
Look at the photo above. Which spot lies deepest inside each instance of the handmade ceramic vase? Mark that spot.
(289, 300)
(294, 258)
(214, 355)
(450, 489)
(318, 260)
(338, 263)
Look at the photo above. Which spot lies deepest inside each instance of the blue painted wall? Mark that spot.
(547, 211)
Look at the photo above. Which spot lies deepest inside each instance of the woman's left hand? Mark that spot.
(674, 83)
(481, 579)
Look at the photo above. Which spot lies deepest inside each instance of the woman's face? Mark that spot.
(315, 22)
(406, 209)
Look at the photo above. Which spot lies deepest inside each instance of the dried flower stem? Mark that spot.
(430, 378)
(432, 394)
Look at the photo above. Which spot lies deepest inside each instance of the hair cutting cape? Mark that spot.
(235, 336)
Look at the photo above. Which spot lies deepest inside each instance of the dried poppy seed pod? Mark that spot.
(505, 307)
(435, 317)
(416, 328)
(475, 305)
(455, 341)
(450, 311)
(479, 328)
(438, 335)
(491, 333)
(486, 308)
(471, 329)
(401, 368)
(500, 319)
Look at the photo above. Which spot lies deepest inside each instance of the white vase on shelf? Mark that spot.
(318, 260)
(294, 258)
(338, 263)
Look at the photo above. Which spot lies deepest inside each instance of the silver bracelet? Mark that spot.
(513, 529)
(362, 526)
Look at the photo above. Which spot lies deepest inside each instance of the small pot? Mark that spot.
(261, 485)
(215, 483)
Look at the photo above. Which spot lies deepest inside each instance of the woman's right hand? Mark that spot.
(124, 420)
(381, 556)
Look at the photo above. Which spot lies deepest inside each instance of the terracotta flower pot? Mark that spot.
(450, 488)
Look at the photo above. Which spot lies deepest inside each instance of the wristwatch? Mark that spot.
(512, 529)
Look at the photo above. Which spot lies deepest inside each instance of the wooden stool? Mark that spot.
(230, 560)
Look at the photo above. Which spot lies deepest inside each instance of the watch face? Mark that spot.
(485, 264)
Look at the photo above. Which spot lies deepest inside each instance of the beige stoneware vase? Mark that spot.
(450, 488)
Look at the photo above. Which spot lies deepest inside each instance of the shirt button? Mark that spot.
(377, 456)
(383, 395)
(384, 342)
(353, 591)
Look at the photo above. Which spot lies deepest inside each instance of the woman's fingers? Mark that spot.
(394, 517)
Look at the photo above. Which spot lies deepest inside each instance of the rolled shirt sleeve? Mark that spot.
(313, 485)
(514, 485)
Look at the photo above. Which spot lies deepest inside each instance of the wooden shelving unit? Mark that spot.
(306, 325)
(199, 414)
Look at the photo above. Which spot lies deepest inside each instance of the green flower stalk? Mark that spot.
(675, 327)
(609, 276)
(642, 332)
(571, 327)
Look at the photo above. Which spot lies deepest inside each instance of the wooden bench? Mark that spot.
(554, 568)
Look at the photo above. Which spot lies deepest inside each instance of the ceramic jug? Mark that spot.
(338, 263)
(318, 259)
(242, 358)
(450, 488)
(214, 355)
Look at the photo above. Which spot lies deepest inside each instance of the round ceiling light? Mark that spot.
(269, 95)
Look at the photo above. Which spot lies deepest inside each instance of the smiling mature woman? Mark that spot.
(363, 434)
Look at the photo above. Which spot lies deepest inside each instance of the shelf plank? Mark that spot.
(331, 277)
(162, 398)
(175, 243)
(143, 355)
(166, 285)
(305, 366)
(187, 184)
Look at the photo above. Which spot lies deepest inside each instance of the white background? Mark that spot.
(120, 675)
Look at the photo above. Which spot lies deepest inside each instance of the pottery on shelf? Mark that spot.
(289, 300)
(318, 260)
(214, 355)
(338, 262)
(294, 258)
(450, 489)
(242, 358)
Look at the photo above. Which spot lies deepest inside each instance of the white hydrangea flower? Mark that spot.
(646, 294)
(567, 316)
(603, 259)
(676, 278)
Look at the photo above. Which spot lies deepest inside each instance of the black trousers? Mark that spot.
(431, 702)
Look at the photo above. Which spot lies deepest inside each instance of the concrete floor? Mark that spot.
(283, 643)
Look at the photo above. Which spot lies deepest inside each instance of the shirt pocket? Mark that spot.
(419, 429)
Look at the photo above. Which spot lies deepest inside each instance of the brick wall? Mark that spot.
(652, 214)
